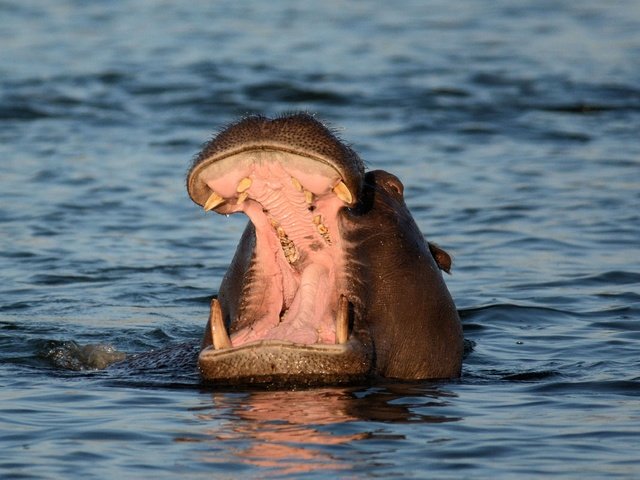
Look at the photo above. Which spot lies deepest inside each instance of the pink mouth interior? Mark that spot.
(294, 288)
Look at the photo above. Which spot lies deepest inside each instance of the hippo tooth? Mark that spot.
(308, 196)
(342, 320)
(296, 183)
(243, 185)
(242, 197)
(343, 192)
(218, 332)
(322, 229)
(213, 201)
(288, 247)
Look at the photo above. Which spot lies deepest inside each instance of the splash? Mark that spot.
(70, 355)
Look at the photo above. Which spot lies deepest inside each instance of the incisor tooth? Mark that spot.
(342, 320)
(317, 220)
(308, 196)
(243, 184)
(296, 183)
(219, 334)
(242, 197)
(343, 192)
(213, 201)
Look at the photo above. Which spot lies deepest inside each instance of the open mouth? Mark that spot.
(292, 287)
(284, 303)
(291, 290)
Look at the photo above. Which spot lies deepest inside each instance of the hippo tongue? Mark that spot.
(292, 202)
(299, 324)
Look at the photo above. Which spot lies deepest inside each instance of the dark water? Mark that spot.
(515, 128)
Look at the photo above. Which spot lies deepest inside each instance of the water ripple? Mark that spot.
(514, 128)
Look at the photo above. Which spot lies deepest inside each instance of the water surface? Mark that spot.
(514, 127)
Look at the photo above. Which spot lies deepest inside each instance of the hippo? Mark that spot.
(332, 281)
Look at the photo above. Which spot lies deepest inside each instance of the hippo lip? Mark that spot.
(282, 362)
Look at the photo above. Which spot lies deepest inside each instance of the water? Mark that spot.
(514, 127)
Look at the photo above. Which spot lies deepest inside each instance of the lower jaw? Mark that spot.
(276, 362)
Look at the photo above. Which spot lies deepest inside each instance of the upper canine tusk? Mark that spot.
(213, 201)
(219, 334)
(343, 192)
(342, 320)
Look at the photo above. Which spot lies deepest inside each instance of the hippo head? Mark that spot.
(332, 280)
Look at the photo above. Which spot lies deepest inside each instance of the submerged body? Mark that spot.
(332, 280)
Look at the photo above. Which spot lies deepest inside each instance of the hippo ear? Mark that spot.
(393, 185)
(442, 258)
(386, 181)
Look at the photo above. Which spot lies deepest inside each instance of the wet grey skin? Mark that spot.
(348, 265)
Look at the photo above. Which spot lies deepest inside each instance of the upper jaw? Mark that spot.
(226, 179)
(297, 135)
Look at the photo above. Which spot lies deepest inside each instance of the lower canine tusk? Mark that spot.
(219, 334)
(342, 320)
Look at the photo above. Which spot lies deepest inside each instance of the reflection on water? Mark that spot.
(289, 431)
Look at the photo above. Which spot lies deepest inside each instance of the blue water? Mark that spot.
(514, 126)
